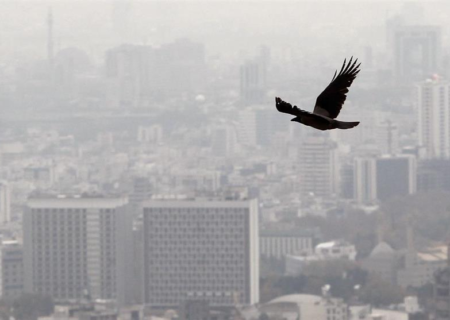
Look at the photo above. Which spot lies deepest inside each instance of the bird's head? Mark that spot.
(296, 119)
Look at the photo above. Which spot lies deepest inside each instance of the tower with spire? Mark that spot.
(50, 36)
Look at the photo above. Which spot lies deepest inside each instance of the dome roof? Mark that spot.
(382, 248)
(298, 299)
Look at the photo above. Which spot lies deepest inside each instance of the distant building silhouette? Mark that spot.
(416, 51)
(252, 82)
(224, 140)
(318, 164)
(139, 74)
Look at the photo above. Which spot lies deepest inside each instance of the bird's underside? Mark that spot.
(328, 104)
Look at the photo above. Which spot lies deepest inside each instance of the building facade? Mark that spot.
(319, 166)
(77, 247)
(396, 176)
(11, 269)
(433, 117)
(416, 51)
(200, 250)
(365, 182)
(277, 245)
(5, 202)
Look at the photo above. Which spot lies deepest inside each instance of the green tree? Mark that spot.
(378, 292)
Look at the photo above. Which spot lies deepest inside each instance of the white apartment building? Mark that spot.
(433, 110)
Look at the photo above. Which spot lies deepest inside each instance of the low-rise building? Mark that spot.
(279, 243)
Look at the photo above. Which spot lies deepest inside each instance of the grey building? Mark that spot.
(395, 176)
(11, 269)
(200, 250)
(77, 246)
(278, 244)
(319, 166)
(253, 82)
(416, 51)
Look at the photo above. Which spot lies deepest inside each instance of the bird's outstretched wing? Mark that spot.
(329, 102)
(286, 107)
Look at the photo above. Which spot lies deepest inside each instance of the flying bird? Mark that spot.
(328, 104)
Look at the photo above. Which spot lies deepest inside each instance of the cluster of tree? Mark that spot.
(26, 307)
(354, 226)
(271, 266)
(345, 278)
(427, 213)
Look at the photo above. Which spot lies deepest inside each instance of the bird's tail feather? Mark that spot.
(346, 125)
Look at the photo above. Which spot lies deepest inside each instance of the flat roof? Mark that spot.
(76, 202)
(197, 203)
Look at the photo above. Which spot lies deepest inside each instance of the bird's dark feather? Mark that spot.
(329, 102)
(286, 107)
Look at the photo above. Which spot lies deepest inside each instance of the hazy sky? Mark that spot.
(309, 25)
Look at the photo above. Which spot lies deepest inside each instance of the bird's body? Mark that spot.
(328, 104)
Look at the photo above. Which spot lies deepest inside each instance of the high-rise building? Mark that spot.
(253, 83)
(433, 109)
(396, 176)
(416, 51)
(139, 74)
(152, 134)
(319, 166)
(11, 269)
(224, 140)
(77, 246)
(365, 182)
(258, 125)
(247, 130)
(433, 175)
(347, 183)
(141, 190)
(127, 67)
(387, 138)
(441, 294)
(200, 250)
(381, 178)
(5, 203)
